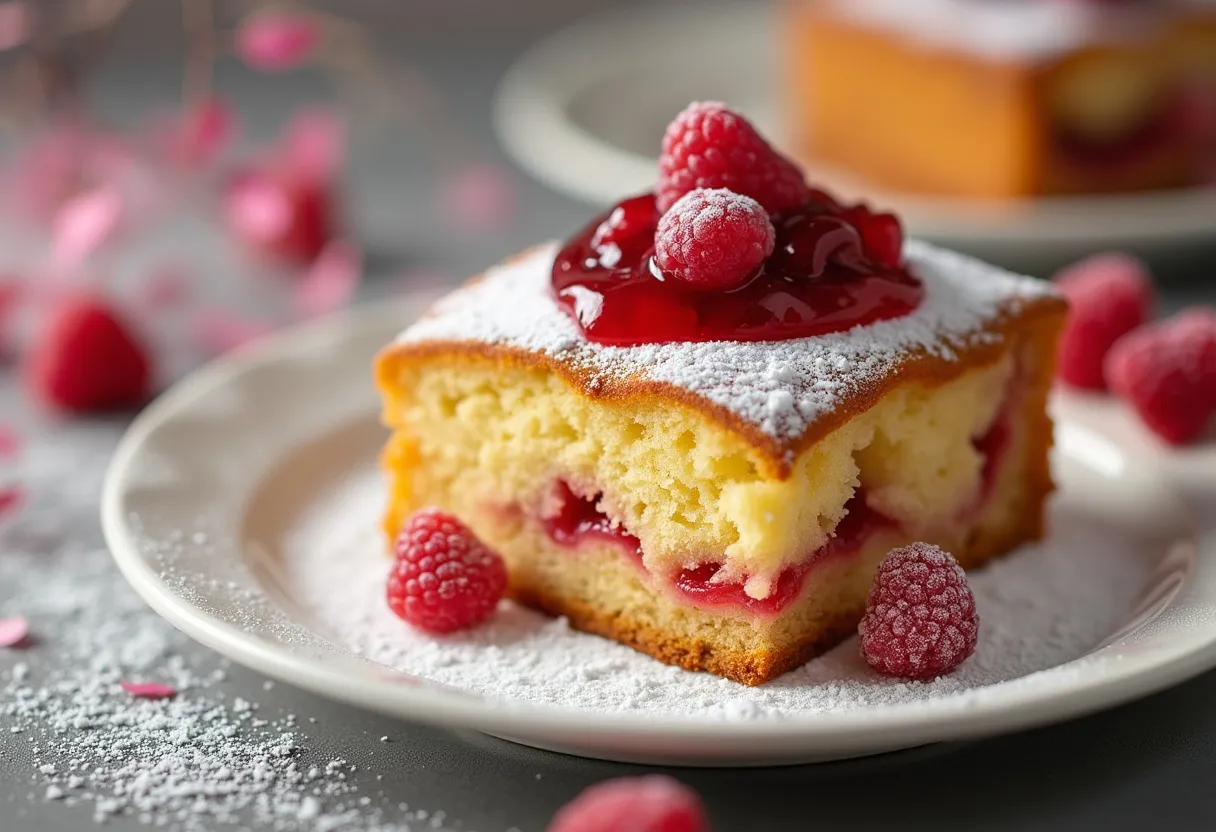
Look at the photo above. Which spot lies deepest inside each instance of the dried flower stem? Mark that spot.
(198, 18)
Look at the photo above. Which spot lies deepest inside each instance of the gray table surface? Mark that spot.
(1146, 765)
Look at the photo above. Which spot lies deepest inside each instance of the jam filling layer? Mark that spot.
(1180, 125)
(578, 520)
(832, 268)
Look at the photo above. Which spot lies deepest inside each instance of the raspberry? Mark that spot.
(713, 239)
(1109, 295)
(85, 359)
(882, 233)
(628, 226)
(920, 619)
(654, 803)
(445, 578)
(1167, 373)
(709, 145)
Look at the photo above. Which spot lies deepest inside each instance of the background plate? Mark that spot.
(177, 515)
(586, 115)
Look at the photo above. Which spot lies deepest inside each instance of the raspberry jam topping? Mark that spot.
(832, 268)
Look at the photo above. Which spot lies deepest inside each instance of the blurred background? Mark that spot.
(211, 170)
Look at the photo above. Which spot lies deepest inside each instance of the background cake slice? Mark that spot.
(723, 505)
(1002, 99)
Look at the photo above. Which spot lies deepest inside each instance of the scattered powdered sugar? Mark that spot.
(1021, 30)
(202, 759)
(1039, 608)
(780, 387)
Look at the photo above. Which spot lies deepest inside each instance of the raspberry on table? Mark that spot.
(1167, 373)
(713, 239)
(709, 145)
(920, 619)
(1109, 295)
(654, 803)
(85, 359)
(444, 578)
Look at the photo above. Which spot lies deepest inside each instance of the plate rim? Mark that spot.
(1005, 707)
(529, 119)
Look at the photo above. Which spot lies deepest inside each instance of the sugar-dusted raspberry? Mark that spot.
(713, 239)
(85, 359)
(1109, 295)
(444, 578)
(1167, 373)
(920, 619)
(709, 145)
(654, 803)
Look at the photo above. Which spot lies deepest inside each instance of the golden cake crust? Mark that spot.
(1011, 319)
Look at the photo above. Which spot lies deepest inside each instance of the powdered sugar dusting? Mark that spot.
(780, 387)
(1042, 607)
(1025, 29)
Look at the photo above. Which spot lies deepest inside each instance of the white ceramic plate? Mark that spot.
(214, 481)
(585, 109)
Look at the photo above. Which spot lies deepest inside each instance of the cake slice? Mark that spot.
(722, 506)
(1005, 99)
(712, 474)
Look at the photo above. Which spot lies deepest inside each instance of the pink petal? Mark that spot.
(276, 41)
(479, 198)
(217, 331)
(197, 134)
(10, 442)
(11, 499)
(313, 144)
(15, 25)
(11, 292)
(258, 207)
(149, 690)
(167, 286)
(84, 224)
(13, 631)
(46, 171)
(330, 282)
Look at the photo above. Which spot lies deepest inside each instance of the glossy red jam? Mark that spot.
(833, 268)
(992, 445)
(578, 520)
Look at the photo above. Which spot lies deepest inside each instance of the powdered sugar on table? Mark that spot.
(204, 759)
(782, 387)
(1039, 608)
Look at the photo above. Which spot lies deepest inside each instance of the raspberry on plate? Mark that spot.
(654, 803)
(444, 578)
(85, 359)
(920, 619)
(1109, 295)
(1167, 373)
(713, 239)
(709, 145)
